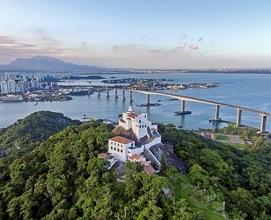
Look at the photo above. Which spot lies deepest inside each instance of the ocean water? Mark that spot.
(250, 90)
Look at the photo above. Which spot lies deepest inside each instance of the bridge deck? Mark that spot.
(203, 101)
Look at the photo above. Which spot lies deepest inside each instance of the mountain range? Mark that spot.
(43, 63)
(46, 63)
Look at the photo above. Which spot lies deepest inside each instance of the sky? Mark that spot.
(139, 33)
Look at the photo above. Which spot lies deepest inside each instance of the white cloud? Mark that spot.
(184, 55)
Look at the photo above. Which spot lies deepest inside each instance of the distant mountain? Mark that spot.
(44, 63)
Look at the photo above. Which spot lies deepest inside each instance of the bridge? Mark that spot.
(183, 99)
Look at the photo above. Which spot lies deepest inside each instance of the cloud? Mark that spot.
(193, 47)
(181, 46)
(155, 50)
(184, 55)
(6, 40)
(184, 36)
(84, 44)
(12, 48)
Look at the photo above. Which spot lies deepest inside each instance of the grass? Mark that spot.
(222, 138)
(189, 192)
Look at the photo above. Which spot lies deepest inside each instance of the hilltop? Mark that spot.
(33, 128)
(63, 178)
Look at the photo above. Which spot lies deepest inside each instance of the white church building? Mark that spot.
(133, 134)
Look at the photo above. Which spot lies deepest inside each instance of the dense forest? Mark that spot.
(35, 127)
(61, 177)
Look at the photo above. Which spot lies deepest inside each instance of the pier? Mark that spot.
(116, 94)
(217, 112)
(131, 96)
(123, 95)
(239, 117)
(182, 111)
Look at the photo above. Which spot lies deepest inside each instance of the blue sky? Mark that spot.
(150, 33)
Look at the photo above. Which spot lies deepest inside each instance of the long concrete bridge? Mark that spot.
(183, 99)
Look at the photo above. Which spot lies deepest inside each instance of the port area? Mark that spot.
(183, 113)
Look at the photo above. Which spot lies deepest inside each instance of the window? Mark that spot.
(139, 121)
(118, 149)
(121, 151)
(114, 148)
(111, 148)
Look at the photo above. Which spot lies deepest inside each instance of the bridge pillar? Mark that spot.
(148, 99)
(107, 93)
(263, 123)
(116, 93)
(123, 95)
(239, 117)
(99, 93)
(217, 111)
(131, 96)
(182, 105)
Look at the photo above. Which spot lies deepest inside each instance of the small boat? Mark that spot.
(85, 117)
(36, 104)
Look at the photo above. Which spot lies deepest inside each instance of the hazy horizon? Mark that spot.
(139, 34)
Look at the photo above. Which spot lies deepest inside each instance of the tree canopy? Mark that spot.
(61, 177)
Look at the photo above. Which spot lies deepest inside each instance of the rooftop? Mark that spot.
(132, 115)
(105, 156)
(135, 157)
(149, 169)
(122, 140)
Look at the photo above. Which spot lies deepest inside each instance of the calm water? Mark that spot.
(252, 90)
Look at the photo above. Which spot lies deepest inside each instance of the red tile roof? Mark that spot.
(122, 140)
(105, 156)
(132, 115)
(149, 169)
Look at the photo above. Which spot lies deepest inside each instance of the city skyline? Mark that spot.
(153, 34)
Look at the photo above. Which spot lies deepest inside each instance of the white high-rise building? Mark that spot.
(4, 87)
(20, 87)
(11, 86)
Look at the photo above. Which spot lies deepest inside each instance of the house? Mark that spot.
(136, 139)
(133, 134)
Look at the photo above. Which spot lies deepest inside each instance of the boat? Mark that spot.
(183, 113)
(85, 117)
